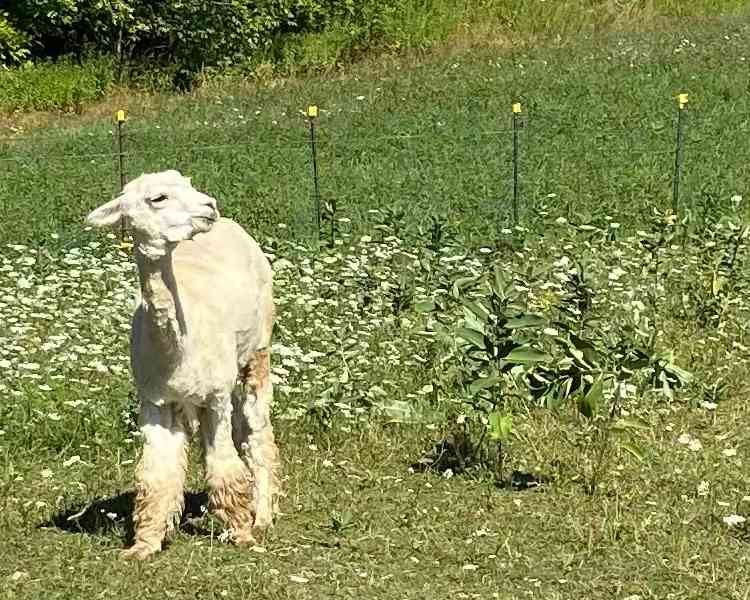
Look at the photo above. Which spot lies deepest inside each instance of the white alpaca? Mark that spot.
(200, 346)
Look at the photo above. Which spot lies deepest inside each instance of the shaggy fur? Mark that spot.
(199, 352)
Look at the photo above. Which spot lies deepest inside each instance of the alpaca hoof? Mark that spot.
(243, 537)
(138, 552)
(263, 521)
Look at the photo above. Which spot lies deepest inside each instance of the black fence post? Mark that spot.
(120, 119)
(516, 107)
(312, 113)
(682, 100)
(334, 222)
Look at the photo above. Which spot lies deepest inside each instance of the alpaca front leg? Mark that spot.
(160, 478)
(229, 480)
(261, 450)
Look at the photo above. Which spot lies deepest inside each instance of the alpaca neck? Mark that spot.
(159, 295)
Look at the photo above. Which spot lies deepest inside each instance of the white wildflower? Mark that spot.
(734, 520)
(71, 461)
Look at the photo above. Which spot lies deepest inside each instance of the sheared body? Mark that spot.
(200, 354)
(223, 304)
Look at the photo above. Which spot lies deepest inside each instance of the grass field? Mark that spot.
(645, 478)
(432, 139)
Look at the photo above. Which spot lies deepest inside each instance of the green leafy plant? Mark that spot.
(341, 521)
(14, 44)
(723, 261)
(511, 356)
(491, 344)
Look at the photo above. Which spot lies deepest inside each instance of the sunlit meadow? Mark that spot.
(429, 360)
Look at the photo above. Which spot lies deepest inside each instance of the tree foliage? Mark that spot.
(189, 33)
(13, 43)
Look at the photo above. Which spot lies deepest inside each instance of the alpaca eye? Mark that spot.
(158, 199)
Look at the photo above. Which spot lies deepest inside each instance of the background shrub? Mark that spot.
(63, 85)
(13, 43)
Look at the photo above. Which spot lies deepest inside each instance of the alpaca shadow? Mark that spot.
(107, 516)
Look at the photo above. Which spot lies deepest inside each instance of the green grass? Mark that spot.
(56, 86)
(412, 536)
(362, 392)
(433, 139)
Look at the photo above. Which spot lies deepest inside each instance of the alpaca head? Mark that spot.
(159, 208)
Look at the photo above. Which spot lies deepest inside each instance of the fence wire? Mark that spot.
(454, 169)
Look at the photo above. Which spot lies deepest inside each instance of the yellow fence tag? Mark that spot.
(516, 107)
(120, 116)
(312, 111)
(683, 100)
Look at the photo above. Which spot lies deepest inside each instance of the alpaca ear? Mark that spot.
(174, 176)
(107, 214)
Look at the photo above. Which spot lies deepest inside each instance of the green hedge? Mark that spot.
(63, 85)
(194, 34)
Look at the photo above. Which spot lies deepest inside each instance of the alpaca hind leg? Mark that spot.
(229, 479)
(240, 428)
(160, 478)
(261, 452)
